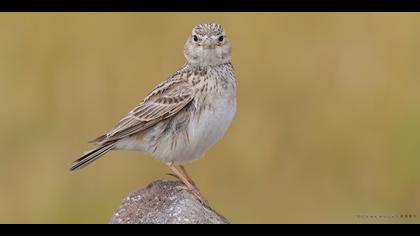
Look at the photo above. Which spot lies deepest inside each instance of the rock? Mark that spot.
(165, 202)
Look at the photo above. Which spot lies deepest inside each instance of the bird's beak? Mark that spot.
(209, 43)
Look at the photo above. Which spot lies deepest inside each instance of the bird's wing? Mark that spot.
(166, 100)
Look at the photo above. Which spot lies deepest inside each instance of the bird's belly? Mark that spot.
(191, 132)
(205, 127)
(210, 127)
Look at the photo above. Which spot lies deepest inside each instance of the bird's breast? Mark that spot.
(214, 110)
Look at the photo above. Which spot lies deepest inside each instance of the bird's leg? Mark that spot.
(201, 197)
(182, 178)
(184, 171)
(185, 179)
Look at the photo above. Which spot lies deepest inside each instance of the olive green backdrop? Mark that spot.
(327, 127)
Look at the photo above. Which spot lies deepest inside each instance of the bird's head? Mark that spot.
(208, 45)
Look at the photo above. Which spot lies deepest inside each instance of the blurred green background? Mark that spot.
(327, 127)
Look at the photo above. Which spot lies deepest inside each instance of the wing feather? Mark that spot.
(166, 100)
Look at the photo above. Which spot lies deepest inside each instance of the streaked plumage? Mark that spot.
(184, 115)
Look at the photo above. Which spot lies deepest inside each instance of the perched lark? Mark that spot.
(184, 115)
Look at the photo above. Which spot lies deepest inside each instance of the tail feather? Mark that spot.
(91, 156)
(99, 139)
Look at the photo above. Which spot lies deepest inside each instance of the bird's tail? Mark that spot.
(91, 156)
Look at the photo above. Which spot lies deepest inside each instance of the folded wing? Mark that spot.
(166, 100)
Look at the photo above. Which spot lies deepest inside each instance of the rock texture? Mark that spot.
(165, 202)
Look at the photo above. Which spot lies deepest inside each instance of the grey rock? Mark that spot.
(165, 202)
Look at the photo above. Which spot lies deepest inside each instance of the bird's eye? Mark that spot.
(195, 38)
(221, 38)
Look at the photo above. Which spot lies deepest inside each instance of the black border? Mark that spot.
(210, 6)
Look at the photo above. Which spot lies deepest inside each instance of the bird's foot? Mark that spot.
(183, 176)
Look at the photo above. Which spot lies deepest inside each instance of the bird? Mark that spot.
(184, 115)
